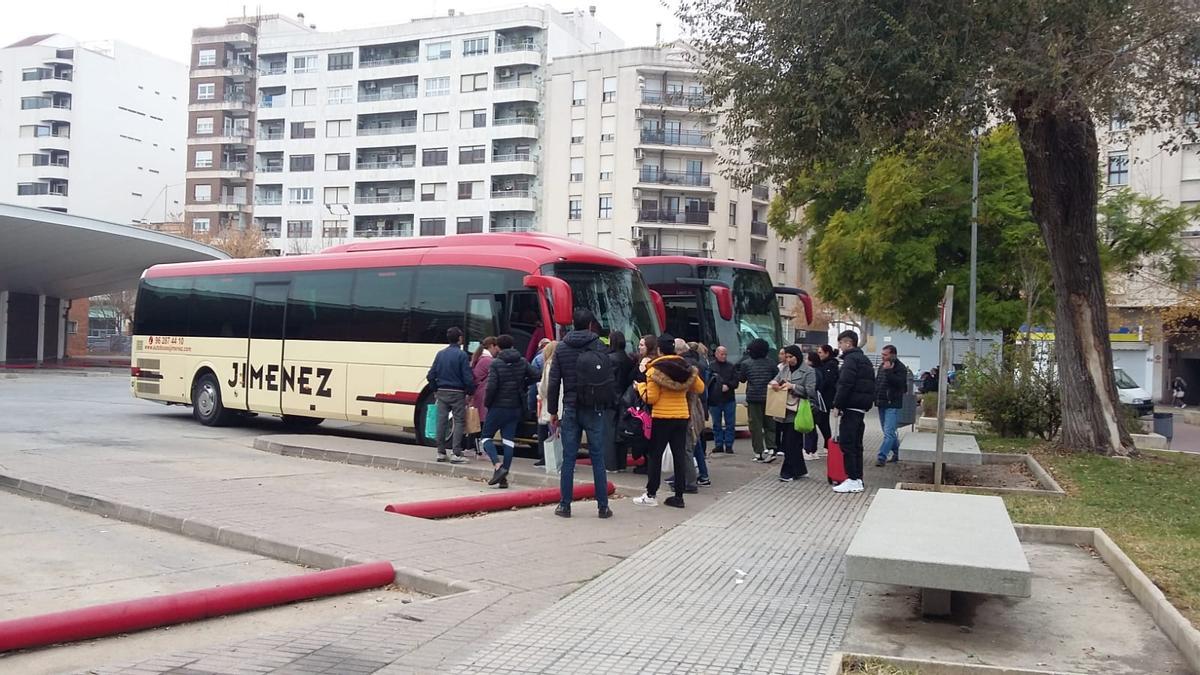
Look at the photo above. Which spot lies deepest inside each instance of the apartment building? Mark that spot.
(430, 127)
(92, 129)
(631, 165)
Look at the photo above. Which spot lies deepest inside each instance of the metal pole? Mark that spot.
(974, 243)
(943, 382)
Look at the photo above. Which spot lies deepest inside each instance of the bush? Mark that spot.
(1014, 393)
(1130, 420)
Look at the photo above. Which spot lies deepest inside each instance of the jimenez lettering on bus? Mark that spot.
(274, 378)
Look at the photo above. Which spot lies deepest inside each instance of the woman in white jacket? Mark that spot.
(548, 436)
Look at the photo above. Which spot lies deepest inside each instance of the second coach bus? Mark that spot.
(350, 333)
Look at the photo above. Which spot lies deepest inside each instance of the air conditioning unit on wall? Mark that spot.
(708, 245)
(638, 154)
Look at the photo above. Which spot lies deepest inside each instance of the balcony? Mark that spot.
(227, 102)
(756, 259)
(231, 69)
(384, 199)
(378, 62)
(236, 37)
(405, 163)
(758, 228)
(512, 157)
(693, 139)
(655, 175)
(271, 135)
(673, 217)
(384, 131)
(388, 95)
(510, 121)
(647, 250)
(270, 168)
(511, 194)
(676, 99)
(761, 193)
(269, 200)
(524, 46)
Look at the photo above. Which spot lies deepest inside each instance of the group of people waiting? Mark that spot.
(657, 407)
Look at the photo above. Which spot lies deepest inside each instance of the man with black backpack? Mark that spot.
(589, 388)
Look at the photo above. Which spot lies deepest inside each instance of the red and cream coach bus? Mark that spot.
(349, 333)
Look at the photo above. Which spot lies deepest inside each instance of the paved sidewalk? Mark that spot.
(754, 584)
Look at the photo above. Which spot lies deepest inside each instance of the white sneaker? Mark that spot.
(845, 486)
(857, 486)
(645, 500)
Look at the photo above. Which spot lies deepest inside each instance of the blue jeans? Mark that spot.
(504, 420)
(724, 417)
(889, 419)
(701, 462)
(574, 423)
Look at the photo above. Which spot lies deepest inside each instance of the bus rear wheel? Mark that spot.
(206, 402)
(302, 422)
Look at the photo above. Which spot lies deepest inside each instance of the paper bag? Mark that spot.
(473, 425)
(776, 403)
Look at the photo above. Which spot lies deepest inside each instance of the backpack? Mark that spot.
(633, 427)
(595, 380)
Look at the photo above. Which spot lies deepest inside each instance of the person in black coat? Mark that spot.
(853, 398)
(827, 378)
(722, 400)
(615, 448)
(508, 377)
(891, 384)
(757, 370)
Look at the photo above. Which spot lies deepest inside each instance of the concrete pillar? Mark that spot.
(3, 326)
(41, 329)
(64, 306)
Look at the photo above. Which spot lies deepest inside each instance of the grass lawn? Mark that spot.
(1150, 506)
(1013, 445)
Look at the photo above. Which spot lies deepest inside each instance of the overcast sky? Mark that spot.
(165, 27)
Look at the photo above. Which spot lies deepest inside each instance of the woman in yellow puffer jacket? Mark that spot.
(669, 379)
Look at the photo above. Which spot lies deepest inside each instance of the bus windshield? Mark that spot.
(756, 309)
(617, 297)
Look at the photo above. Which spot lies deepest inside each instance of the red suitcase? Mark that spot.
(835, 463)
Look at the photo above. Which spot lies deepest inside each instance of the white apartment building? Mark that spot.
(92, 129)
(631, 165)
(430, 127)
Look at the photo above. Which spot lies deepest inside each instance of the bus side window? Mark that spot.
(383, 308)
(524, 317)
(481, 319)
(221, 306)
(319, 306)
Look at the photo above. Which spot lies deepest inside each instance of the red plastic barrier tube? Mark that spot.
(500, 501)
(133, 615)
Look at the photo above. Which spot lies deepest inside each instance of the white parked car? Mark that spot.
(1132, 394)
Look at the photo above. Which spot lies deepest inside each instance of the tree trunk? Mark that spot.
(1058, 140)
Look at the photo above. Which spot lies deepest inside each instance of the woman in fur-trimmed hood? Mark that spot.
(669, 380)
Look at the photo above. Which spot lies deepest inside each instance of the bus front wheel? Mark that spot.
(206, 402)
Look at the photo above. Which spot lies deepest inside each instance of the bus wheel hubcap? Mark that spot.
(206, 400)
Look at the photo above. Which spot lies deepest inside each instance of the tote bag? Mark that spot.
(804, 417)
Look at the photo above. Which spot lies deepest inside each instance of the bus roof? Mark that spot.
(694, 261)
(522, 251)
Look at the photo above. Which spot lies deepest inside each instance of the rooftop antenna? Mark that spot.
(658, 34)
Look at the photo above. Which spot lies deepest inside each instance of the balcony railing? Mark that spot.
(647, 250)
(389, 61)
(270, 135)
(511, 84)
(383, 199)
(277, 70)
(520, 226)
(518, 47)
(234, 166)
(654, 175)
(684, 138)
(511, 157)
(673, 217)
(381, 131)
(270, 232)
(372, 232)
(389, 164)
(232, 200)
(506, 121)
(270, 168)
(62, 105)
(756, 259)
(511, 194)
(760, 192)
(388, 95)
(273, 102)
(676, 98)
(758, 228)
(269, 200)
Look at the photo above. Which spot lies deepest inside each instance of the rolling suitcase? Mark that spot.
(835, 463)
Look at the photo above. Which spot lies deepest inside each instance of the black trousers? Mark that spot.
(850, 435)
(793, 452)
(663, 433)
(822, 421)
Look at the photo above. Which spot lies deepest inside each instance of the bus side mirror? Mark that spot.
(805, 299)
(660, 308)
(560, 295)
(724, 298)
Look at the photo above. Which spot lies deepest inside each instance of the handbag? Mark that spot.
(552, 449)
(776, 403)
(804, 418)
(473, 425)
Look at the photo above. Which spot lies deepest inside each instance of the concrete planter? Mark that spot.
(840, 660)
(953, 426)
(1049, 486)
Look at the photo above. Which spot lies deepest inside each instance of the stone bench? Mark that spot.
(921, 448)
(939, 542)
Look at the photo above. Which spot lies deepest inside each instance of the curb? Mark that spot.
(417, 580)
(931, 667)
(1050, 487)
(426, 466)
(1169, 620)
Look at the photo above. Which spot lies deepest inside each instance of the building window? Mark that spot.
(470, 189)
(437, 86)
(475, 47)
(303, 97)
(434, 157)
(433, 226)
(474, 82)
(472, 119)
(606, 167)
(340, 95)
(608, 128)
(470, 224)
(577, 130)
(339, 128)
(433, 192)
(299, 229)
(733, 214)
(334, 229)
(439, 121)
(436, 51)
(576, 169)
(341, 61)
(471, 154)
(610, 90)
(1118, 168)
(1118, 122)
(605, 207)
(339, 162)
(300, 195)
(304, 129)
(206, 91)
(200, 224)
(204, 126)
(579, 92)
(203, 159)
(206, 57)
(300, 163)
(304, 64)
(575, 208)
(337, 195)
(202, 192)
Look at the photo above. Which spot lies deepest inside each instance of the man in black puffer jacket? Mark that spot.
(757, 371)
(508, 377)
(853, 398)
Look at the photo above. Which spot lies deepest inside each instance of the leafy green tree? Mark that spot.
(810, 82)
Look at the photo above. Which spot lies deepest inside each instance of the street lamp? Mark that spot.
(975, 133)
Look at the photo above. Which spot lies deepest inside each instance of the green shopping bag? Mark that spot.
(804, 417)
